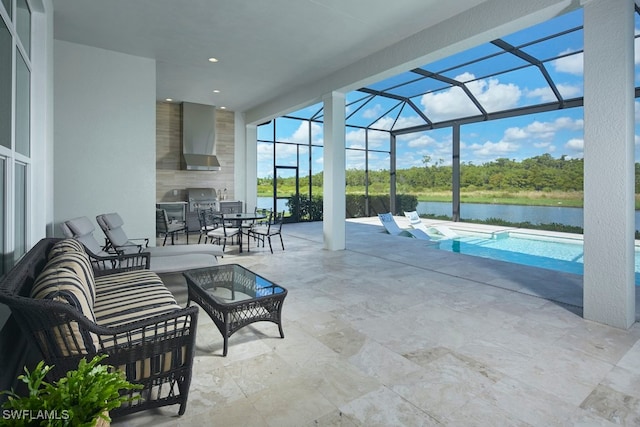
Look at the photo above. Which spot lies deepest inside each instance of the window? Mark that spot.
(5, 85)
(22, 106)
(23, 25)
(15, 129)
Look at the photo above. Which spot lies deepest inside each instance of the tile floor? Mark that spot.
(391, 332)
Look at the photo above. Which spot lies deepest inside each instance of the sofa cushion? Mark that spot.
(63, 285)
(133, 296)
(128, 297)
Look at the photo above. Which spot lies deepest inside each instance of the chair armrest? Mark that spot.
(55, 326)
(119, 263)
(145, 241)
(181, 322)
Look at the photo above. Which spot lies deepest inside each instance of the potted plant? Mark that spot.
(83, 397)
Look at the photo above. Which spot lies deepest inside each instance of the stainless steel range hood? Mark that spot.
(199, 137)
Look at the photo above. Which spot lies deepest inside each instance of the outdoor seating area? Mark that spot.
(392, 332)
(389, 331)
(71, 305)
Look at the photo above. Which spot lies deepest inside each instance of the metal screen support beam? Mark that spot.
(392, 174)
(455, 172)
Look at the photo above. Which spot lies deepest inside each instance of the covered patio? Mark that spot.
(392, 332)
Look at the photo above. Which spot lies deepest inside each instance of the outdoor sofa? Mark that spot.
(71, 305)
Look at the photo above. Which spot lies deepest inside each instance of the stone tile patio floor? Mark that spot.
(391, 332)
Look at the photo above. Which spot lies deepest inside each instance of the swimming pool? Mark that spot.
(553, 254)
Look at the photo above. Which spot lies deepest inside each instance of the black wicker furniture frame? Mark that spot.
(153, 350)
(235, 297)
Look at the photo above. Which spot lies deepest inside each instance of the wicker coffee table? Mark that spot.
(235, 297)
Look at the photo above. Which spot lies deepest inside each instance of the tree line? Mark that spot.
(539, 173)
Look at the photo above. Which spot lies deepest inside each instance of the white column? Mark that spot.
(240, 168)
(609, 217)
(251, 167)
(334, 204)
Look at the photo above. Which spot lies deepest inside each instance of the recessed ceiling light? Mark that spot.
(216, 91)
(213, 59)
(223, 108)
(169, 99)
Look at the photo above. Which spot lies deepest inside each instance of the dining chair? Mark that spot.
(272, 228)
(221, 231)
(165, 228)
(206, 220)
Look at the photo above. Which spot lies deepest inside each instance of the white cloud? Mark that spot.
(548, 130)
(542, 144)
(545, 94)
(355, 138)
(515, 133)
(576, 145)
(490, 149)
(301, 134)
(421, 141)
(453, 102)
(569, 91)
(373, 112)
(495, 96)
(572, 64)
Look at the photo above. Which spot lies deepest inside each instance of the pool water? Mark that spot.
(549, 254)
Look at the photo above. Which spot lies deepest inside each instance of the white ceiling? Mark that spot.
(265, 47)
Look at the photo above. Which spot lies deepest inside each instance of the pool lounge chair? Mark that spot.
(417, 224)
(392, 228)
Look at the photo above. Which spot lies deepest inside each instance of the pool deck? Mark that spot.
(391, 331)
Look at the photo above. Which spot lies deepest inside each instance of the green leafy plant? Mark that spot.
(81, 398)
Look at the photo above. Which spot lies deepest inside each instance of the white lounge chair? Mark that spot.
(392, 228)
(417, 224)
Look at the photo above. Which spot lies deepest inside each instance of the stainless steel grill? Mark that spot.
(202, 198)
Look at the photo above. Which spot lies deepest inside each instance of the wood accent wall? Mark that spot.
(170, 172)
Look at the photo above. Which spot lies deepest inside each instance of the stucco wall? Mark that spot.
(104, 130)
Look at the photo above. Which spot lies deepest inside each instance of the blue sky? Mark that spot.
(558, 133)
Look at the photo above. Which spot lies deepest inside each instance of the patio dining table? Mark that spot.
(237, 219)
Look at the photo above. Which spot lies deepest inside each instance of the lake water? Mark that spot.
(483, 211)
(511, 213)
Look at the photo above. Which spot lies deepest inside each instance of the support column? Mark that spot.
(334, 204)
(609, 184)
(251, 166)
(455, 171)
